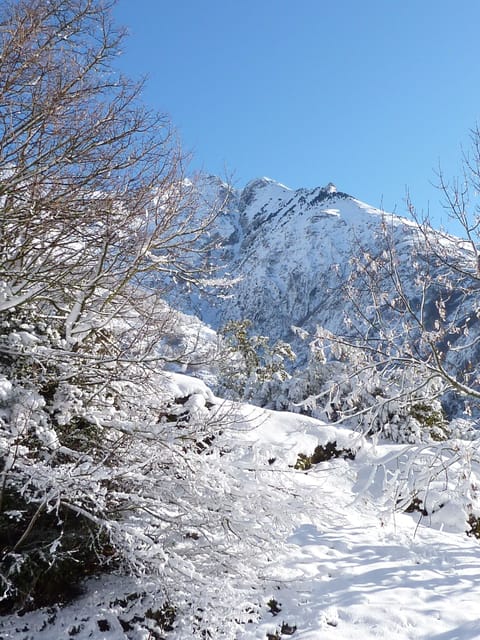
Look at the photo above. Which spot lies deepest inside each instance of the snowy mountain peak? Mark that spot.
(265, 181)
(261, 191)
(289, 250)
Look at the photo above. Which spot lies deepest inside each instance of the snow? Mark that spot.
(354, 573)
(350, 566)
(5, 389)
(261, 193)
(181, 386)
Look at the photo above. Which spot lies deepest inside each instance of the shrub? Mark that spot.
(322, 453)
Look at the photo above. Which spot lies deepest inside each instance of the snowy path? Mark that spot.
(351, 576)
(357, 585)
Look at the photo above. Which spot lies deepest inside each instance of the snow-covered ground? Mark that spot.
(350, 577)
(350, 566)
(358, 571)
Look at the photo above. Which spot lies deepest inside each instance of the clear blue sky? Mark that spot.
(368, 94)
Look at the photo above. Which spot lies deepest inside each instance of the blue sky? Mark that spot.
(369, 94)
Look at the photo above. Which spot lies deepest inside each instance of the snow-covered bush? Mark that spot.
(437, 483)
(130, 470)
(250, 367)
(342, 382)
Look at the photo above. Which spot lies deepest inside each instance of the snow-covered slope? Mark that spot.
(232, 529)
(351, 564)
(288, 254)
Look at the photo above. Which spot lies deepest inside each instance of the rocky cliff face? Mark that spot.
(288, 253)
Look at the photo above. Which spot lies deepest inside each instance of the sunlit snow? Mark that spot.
(353, 568)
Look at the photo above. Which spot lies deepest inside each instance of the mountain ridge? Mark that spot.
(287, 252)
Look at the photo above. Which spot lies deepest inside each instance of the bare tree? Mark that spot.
(96, 219)
(93, 195)
(106, 460)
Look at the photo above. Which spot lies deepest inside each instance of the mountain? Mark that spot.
(291, 261)
(287, 255)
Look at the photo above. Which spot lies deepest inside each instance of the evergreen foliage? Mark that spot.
(251, 368)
